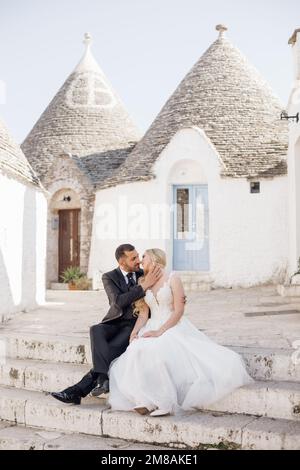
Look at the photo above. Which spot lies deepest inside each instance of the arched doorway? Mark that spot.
(68, 239)
(64, 232)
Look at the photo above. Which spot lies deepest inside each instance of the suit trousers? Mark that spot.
(108, 341)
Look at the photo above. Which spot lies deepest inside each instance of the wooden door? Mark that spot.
(69, 239)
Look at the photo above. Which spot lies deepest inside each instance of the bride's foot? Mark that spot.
(159, 412)
(142, 410)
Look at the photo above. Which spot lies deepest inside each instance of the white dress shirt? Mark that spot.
(125, 275)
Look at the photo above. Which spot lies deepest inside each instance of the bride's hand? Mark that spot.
(151, 334)
(133, 336)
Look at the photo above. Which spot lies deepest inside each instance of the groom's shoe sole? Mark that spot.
(65, 398)
(142, 410)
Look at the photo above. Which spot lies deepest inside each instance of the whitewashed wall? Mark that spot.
(23, 216)
(247, 232)
(294, 163)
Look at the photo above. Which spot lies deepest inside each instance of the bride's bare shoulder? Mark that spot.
(175, 278)
(174, 275)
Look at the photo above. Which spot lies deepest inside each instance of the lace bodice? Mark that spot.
(161, 304)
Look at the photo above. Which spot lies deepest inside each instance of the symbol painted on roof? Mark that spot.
(90, 90)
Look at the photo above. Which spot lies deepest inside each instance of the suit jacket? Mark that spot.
(119, 296)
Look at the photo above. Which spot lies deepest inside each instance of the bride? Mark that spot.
(169, 365)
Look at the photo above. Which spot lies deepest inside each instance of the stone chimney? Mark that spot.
(294, 99)
(295, 42)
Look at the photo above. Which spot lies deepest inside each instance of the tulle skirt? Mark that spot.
(182, 369)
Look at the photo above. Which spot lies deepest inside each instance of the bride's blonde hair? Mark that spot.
(158, 256)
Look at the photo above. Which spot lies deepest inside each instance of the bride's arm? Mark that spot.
(179, 302)
(141, 321)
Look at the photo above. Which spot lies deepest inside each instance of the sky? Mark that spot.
(144, 47)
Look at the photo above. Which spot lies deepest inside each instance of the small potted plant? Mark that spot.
(71, 275)
(83, 283)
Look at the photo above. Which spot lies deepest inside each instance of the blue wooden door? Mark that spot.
(190, 228)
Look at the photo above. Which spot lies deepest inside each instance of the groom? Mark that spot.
(110, 338)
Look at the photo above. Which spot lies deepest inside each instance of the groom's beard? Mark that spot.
(134, 269)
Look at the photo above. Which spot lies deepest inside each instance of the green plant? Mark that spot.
(83, 283)
(71, 274)
(298, 272)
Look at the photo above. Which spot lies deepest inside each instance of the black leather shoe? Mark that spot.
(67, 397)
(100, 389)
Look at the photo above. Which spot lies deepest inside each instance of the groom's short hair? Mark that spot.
(120, 251)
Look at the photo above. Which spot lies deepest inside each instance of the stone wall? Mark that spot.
(65, 179)
(248, 236)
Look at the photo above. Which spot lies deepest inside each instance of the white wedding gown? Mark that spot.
(182, 369)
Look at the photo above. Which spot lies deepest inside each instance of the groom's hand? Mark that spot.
(151, 277)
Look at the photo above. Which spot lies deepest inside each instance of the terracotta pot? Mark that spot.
(72, 286)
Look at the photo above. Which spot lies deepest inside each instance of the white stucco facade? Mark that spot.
(294, 162)
(23, 215)
(248, 233)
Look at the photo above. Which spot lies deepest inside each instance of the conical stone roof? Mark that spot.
(85, 118)
(12, 159)
(226, 97)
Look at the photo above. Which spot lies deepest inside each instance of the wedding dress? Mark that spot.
(182, 369)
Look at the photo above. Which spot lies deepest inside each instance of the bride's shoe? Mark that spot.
(159, 412)
(142, 410)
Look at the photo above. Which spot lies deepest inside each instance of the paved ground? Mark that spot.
(264, 415)
(256, 316)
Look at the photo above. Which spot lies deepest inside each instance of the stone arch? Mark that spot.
(187, 171)
(62, 195)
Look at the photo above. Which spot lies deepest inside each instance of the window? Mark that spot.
(255, 187)
(182, 213)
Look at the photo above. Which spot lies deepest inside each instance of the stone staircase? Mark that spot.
(192, 281)
(264, 415)
(196, 281)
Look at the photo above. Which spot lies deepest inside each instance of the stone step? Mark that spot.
(192, 286)
(262, 398)
(197, 430)
(271, 399)
(262, 363)
(204, 276)
(40, 375)
(270, 364)
(59, 286)
(17, 437)
(196, 281)
(288, 290)
(65, 286)
(46, 347)
(192, 281)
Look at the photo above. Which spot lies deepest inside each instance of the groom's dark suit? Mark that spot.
(110, 338)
